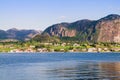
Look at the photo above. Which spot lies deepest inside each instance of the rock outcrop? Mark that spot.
(61, 30)
(109, 28)
(106, 29)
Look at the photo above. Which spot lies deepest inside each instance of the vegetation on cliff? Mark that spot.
(106, 29)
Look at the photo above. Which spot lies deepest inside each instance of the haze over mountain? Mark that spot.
(18, 34)
(106, 29)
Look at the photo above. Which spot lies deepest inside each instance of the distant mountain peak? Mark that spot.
(111, 17)
(17, 34)
(13, 29)
(83, 21)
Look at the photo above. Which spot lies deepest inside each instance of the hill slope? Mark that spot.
(18, 34)
(106, 29)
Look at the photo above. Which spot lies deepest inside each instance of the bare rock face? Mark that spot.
(106, 29)
(61, 30)
(109, 31)
(109, 28)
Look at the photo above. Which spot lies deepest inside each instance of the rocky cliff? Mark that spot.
(109, 28)
(106, 29)
(61, 30)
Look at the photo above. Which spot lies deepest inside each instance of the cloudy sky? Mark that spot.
(39, 14)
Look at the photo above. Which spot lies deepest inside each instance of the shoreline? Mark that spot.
(58, 52)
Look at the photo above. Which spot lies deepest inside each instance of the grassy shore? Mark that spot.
(35, 46)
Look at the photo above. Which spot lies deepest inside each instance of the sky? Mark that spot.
(40, 14)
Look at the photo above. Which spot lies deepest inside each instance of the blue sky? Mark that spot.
(39, 14)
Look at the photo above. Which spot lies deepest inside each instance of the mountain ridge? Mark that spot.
(106, 29)
(17, 34)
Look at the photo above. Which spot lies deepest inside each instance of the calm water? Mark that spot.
(60, 66)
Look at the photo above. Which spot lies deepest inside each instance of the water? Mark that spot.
(60, 66)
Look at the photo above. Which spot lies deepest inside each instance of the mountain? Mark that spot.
(3, 34)
(18, 34)
(106, 29)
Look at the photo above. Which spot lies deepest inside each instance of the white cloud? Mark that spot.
(62, 17)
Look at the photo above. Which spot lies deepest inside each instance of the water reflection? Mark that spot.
(80, 71)
(88, 71)
(64, 70)
(110, 70)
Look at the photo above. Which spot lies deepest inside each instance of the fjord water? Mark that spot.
(60, 66)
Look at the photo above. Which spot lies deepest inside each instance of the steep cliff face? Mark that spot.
(60, 30)
(109, 31)
(68, 29)
(106, 29)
